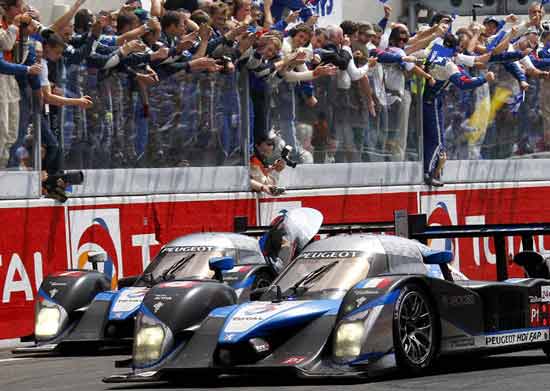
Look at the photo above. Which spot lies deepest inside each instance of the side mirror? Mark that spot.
(257, 293)
(219, 264)
(438, 257)
(97, 257)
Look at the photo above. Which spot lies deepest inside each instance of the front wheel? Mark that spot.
(415, 330)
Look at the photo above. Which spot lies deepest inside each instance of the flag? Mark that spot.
(515, 102)
(484, 115)
(440, 54)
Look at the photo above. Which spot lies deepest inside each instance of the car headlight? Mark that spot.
(148, 344)
(152, 340)
(47, 322)
(348, 339)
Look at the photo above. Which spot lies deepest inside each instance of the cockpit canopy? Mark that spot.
(189, 256)
(332, 266)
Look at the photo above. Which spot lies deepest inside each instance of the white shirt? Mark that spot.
(44, 81)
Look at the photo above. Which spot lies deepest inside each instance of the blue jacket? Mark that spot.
(460, 79)
(279, 6)
(20, 71)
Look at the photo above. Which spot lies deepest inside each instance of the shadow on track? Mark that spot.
(78, 352)
(444, 366)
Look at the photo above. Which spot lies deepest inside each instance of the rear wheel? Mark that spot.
(415, 330)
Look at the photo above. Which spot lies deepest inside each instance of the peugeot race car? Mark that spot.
(191, 275)
(354, 305)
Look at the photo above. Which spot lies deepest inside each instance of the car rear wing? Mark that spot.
(415, 226)
(241, 226)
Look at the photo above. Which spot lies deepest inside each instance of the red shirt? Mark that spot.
(8, 55)
(254, 161)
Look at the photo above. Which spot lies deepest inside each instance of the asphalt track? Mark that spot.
(520, 371)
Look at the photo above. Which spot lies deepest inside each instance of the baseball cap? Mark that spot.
(490, 19)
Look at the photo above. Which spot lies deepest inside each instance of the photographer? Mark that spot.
(264, 177)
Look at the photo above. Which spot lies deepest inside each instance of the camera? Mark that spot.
(284, 155)
(56, 190)
(226, 62)
(275, 190)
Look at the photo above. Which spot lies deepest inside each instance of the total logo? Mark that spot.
(96, 230)
(260, 309)
(441, 211)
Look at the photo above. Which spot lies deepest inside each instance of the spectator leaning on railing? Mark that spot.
(264, 176)
(134, 64)
(11, 19)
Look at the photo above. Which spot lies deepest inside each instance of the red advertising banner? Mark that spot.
(39, 240)
(32, 245)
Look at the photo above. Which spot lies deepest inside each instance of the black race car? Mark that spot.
(355, 305)
(191, 276)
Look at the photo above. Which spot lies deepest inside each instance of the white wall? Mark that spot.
(370, 10)
(47, 7)
(359, 10)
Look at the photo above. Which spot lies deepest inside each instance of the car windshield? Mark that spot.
(324, 274)
(182, 262)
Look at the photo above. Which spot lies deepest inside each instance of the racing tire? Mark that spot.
(546, 350)
(415, 330)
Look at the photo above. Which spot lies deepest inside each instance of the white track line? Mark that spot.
(15, 359)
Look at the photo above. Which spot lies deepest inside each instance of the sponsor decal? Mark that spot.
(53, 283)
(240, 269)
(545, 293)
(188, 249)
(157, 306)
(367, 291)
(260, 345)
(162, 297)
(457, 301)
(538, 314)
(260, 309)
(53, 292)
(330, 254)
(129, 299)
(178, 284)
(378, 283)
(516, 338)
(360, 300)
(295, 360)
(97, 230)
(253, 313)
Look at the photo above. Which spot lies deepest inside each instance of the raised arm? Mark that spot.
(156, 8)
(66, 18)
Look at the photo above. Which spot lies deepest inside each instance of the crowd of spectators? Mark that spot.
(166, 87)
